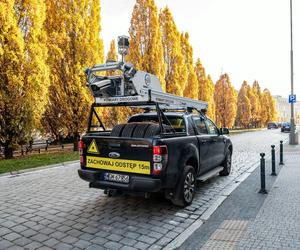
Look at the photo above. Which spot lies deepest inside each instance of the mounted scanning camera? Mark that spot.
(129, 85)
(116, 85)
(123, 46)
(105, 87)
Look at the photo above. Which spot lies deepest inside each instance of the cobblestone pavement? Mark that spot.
(54, 209)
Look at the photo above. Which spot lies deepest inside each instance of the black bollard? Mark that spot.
(262, 175)
(281, 153)
(273, 160)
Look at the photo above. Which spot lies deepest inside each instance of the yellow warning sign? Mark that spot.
(122, 165)
(93, 149)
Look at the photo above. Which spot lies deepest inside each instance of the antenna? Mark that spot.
(123, 46)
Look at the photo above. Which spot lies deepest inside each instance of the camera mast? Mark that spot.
(133, 87)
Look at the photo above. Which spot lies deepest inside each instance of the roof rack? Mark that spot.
(133, 87)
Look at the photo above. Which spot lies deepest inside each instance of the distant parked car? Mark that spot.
(279, 124)
(286, 127)
(272, 125)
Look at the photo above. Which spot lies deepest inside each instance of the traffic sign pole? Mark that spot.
(293, 135)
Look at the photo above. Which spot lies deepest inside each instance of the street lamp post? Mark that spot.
(293, 134)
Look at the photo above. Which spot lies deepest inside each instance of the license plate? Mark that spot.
(121, 178)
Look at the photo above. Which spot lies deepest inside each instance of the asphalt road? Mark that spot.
(54, 209)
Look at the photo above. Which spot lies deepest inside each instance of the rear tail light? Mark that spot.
(160, 158)
(81, 148)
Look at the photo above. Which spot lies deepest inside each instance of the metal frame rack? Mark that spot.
(134, 88)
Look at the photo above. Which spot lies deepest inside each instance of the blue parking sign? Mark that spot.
(292, 98)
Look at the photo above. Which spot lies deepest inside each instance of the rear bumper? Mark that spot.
(137, 183)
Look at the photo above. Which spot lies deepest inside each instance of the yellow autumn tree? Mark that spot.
(112, 53)
(12, 47)
(176, 69)
(73, 29)
(191, 85)
(24, 73)
(31, 16)
(146, 50)
(256, 105)
(243, 117)
(225, 98)
(205, 88)
(274, 112)
(268, 108)
(211, 111)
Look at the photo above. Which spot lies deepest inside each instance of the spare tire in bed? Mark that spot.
(117, 130)
(128, 130)
(140, 130)
(152, 130)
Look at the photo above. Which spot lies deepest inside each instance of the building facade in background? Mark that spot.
(284, 109)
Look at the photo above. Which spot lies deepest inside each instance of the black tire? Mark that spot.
(140, 130)
(117, 130)
(186, 187)
(152, 130)
(128, 130)
(226, 164)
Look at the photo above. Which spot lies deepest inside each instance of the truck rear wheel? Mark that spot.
(185, 190)
(226, 164)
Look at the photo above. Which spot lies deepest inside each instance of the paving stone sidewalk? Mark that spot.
(249, 220)
(277, 225)
(54, 209)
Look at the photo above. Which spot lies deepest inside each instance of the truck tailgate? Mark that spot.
(118, 154)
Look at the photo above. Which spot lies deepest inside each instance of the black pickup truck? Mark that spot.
(137, 157)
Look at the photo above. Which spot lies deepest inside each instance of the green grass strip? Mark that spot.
(33, 161)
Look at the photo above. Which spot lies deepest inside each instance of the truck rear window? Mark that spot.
(177, 123)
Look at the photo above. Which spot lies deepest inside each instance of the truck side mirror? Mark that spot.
(224, 131)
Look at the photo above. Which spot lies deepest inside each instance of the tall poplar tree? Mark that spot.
(256, 105)
(13, 112)
(203, 91)
(31, 17)
(112, 53)
(243, 117)
(24, 74)
(205, 88)
(268, 108)
(176, 69)
(191, 85)
(211, 111)
(225, 98)
(73, 29)
(146, 49)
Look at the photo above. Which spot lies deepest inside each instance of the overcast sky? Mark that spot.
(248, 39)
